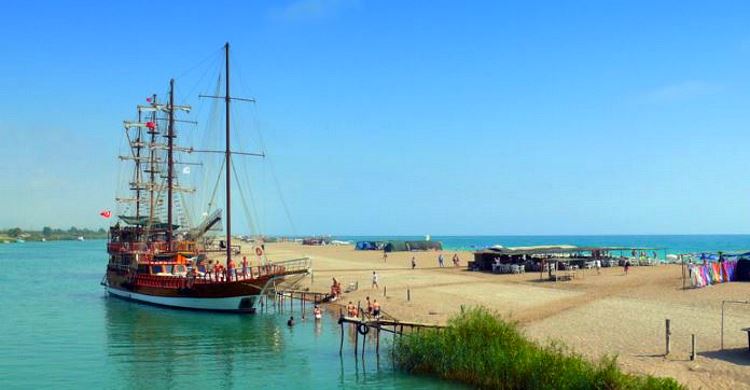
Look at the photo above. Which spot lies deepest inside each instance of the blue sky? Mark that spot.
(387, 117)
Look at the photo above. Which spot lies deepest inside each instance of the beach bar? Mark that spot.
(533, 258)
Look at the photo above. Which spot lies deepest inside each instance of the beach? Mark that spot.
(595, 314)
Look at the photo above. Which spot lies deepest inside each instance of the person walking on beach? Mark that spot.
(385, 256)
(456, 260)
(413, 262)
(627, 267)
(441, 261)
(374, 279)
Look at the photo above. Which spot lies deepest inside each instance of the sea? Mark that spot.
(59, 330)
(661, 244)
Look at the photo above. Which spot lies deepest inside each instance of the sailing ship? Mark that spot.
(163, 262)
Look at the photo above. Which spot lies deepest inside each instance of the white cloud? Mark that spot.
(311, 9)
(685, 90)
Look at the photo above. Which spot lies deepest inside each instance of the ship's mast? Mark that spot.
(170, 162)
(152, 162)
(138, 146)
(228, 155)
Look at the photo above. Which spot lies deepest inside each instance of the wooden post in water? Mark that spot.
(356, 340)
(692, 347)
(341, 345)
(364, 337)
(377, 341)
(668, 334)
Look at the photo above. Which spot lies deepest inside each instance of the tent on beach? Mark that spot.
(368, 245)
(424, 245)
(407, 246)
(742, 271)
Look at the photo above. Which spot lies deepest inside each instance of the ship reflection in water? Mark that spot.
(156, 348)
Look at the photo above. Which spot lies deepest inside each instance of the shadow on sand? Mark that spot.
(740, 356)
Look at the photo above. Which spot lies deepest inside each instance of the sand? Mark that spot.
(594, 314)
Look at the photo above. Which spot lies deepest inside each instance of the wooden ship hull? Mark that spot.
(239, 295)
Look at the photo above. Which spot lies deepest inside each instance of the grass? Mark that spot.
(481, 349)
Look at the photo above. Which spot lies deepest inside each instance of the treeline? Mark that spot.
(49, 233)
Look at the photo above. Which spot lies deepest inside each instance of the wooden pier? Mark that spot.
(363, 326)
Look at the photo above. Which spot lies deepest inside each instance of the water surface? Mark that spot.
(60, 330)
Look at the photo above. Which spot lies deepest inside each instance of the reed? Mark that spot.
(481, 349)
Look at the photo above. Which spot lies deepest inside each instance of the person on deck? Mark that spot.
(369, 306)
(231, 270)
(217, 271)
(244, 266)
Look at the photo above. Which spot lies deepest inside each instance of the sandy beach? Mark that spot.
(594, 314)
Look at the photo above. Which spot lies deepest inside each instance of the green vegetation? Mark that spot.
(50, 234)
(481, 349)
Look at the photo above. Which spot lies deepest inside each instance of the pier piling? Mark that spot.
(692, 347)
(668, 334)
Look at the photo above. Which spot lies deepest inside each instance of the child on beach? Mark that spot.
(413, 262)
(374, 279)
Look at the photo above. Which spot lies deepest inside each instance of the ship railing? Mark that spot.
(126, 246)
(288, 267)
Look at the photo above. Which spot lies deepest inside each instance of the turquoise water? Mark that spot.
(670, 243)
(59, 330)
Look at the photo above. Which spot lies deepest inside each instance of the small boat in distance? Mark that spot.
(80, 238)
(165, 262)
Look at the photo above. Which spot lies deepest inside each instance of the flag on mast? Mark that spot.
(105, 213)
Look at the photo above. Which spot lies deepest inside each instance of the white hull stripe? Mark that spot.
(221, 304)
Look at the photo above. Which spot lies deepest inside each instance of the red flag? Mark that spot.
(148, 100)
(106, 213)
(151, 125)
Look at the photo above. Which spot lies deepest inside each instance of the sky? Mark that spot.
(402, 118)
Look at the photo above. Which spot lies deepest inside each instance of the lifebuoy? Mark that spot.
(258, 251)
(363, 329)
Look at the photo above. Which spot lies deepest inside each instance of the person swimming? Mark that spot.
(317, 313)
(291, 321)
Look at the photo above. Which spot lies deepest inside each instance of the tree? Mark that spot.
(73, 229)
(46, 231)
(15, 232)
